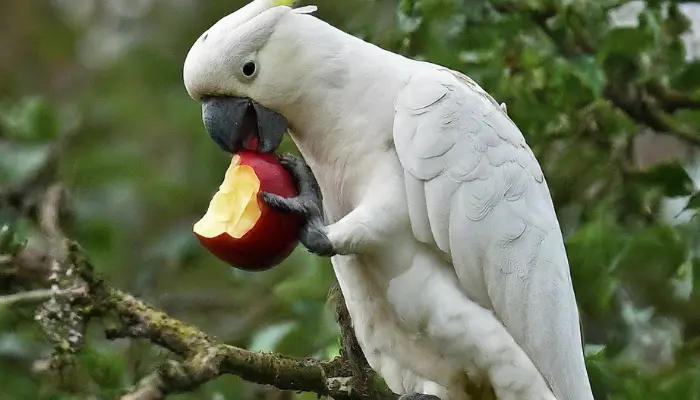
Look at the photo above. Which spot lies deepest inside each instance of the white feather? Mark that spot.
(459, 224)
(484, 201)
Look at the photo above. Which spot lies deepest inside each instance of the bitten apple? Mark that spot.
(238, 227)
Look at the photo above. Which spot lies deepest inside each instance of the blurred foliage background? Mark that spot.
(606, 92)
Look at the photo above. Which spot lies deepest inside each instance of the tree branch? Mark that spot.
(350, 347)
(66, 313)
(672, 100)
(648, 110)
(35, 296)
(204, 357)
(77, 296)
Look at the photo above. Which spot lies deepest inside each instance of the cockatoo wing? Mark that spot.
(477, 194)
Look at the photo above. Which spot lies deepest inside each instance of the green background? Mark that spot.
(141, 170)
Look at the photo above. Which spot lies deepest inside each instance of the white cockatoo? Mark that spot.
(424, 193)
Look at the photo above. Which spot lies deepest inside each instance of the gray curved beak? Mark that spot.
(232, 121)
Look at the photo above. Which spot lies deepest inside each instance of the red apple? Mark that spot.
(239, 228)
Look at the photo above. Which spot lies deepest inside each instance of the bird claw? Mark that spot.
(308, 204)
(314, 238)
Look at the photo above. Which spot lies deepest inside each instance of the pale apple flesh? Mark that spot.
(234, 209)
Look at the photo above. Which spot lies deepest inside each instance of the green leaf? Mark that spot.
(105, 367)
(651, 257)
(311, 283)
(683, 280)
(589, 74)
(649, 21)
(11, 241)
(624, 53)
(689, 77)
(671, 177)
(684, 385)
(530, 58)
(594, 351)
(409, 24)
(693, 202)
(32, 119)
(302, 288)
(17, 162)
(267, 339)
(677, 23)
(600, 373)
(176, 245)
(696, 272)
(592, 252)
(629, 42)
(332, 350)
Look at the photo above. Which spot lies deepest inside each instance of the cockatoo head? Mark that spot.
(243, 73)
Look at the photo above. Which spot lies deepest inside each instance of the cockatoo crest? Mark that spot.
(237, 36)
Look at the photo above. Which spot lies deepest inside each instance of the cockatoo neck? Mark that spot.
(343, 110)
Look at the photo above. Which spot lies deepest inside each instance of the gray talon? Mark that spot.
(308, 204)
(282, 204)
(316, 241)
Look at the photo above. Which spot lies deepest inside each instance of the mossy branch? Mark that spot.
(77, 296)
(201, 357)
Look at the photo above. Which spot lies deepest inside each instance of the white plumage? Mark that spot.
(451, 259)
(476, 192)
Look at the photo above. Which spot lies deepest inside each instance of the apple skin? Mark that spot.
(275, 235)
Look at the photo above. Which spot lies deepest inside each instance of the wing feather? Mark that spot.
(477, 194)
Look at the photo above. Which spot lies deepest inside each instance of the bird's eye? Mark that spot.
(249, 68)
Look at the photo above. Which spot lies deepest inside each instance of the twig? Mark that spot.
(647, 110)
(350, 347)
(672, 100)
(149, 388)
(35, 296)
(49, 212)
(28, 266)
(49, 219)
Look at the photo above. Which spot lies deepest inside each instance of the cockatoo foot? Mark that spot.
(418, 396)
(307, 204)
